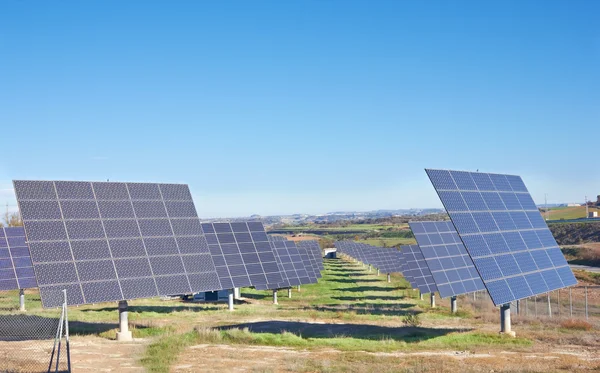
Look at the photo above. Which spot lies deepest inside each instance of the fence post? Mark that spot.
(570, 303)
(67, 332)
(586, 304)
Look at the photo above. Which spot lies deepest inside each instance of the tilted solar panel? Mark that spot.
(107, 241)
(291, 263)
(242, 254)
(418, 269)
(16, 269)
(314, 249)
(504, 233)
(406, 271)
(447, 259)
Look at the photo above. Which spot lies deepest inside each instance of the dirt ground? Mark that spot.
(228, 358)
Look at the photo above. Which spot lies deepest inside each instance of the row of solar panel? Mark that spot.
(114, 241)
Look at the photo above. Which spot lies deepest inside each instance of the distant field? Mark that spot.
(349, 227)
(388, 242)
(566, 213)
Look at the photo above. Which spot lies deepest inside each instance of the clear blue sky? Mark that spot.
(272, 107)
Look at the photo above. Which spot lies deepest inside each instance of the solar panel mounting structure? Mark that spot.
(504, 233)
(16, 269)
(107, 241)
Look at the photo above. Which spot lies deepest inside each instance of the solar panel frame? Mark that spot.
(107, 241)
(418, 269)
(314, 250)
(499, 223)
(451, 266)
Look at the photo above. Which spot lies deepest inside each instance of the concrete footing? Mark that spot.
(237, 293)
(123, 335)
(389, 279)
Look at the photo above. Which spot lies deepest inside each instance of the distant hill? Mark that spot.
(576, 233)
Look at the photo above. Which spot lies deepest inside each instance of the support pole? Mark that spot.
(67, 331)
(289, 292)
(518, 307)
(586, 304)
(123, 335)
(370, 268)
(505, 327)
(274, 296)
(230, 299)
(570, 303)
(453, 304)
(549, 306)
(21, 300)
(432, 298)
(298, 287)
(389, 278)
(237, 293)
(421, 295)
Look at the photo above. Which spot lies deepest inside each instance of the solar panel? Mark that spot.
(418, 269)
(273, 237)
(314, 249)
(406, 272)
(107, 241)
(16, 269)
(450, 264)
(312, 260)
(242, 254)
(291, 263)
(504, 233)
(310, 270)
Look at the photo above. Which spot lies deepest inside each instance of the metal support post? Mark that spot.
(570, 303)
(377, 271)
(123, 335)
(389, 278)
(274, 296)
(289, 292)
(432, 298)
(549, 306)
(230, 299)
(453, 304)
(237, 293)
(518, 307)
(298, 287)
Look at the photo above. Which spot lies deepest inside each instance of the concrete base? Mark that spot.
(510, 334)
(124, 337)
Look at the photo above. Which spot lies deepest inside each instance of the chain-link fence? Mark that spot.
(34, 342)
(580, 303)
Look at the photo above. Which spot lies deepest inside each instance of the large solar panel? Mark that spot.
(290, 262)
(107, 241)
(418, 269)
(242, 254)
(310, 262)
(504, 233)
(16, 269)
(447, 259)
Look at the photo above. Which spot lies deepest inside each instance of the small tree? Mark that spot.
(12, 219)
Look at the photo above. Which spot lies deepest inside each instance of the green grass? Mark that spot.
(567, 213)
(388, 242)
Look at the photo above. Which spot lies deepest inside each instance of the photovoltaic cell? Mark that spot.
(242, 254)
(450, 264)
(314, 251)
(107, 241)
(16, 269)
(291, 263)
(417, 269)
(504, 233)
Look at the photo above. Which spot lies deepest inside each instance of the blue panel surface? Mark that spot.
(446, 256)
(242, 253)
(16, 268)
(106, 241)
(418, 269)
(509, 242)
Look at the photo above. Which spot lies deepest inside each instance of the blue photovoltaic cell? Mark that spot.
(509, 242)
(16, 269)
(106, 241)
(242, 254)
(418, 269)
(290, 261)
(450, 264)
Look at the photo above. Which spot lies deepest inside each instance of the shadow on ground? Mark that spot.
(363, 308)
(32, 327)
(161, 309)
(352, 281)
(358, 331)
(364, 289)
(369, 297)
